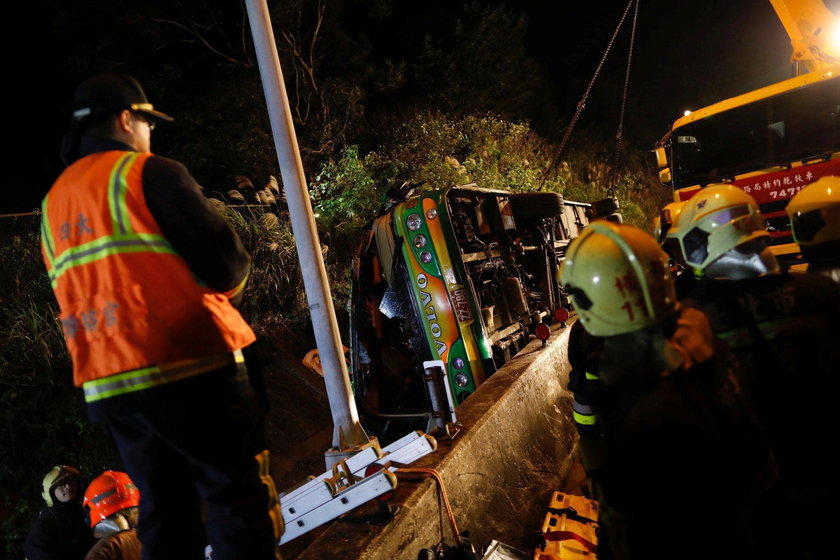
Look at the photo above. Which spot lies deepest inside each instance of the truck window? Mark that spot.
(796, 125)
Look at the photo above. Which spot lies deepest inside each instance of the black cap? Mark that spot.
(112, 93)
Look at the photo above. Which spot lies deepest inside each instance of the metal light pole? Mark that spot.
(348, 433)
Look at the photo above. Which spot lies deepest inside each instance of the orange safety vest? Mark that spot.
(133, 314)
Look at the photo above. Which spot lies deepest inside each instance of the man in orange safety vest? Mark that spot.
(146, 273)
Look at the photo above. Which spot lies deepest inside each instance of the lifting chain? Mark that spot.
(582, 103)
(620, 132)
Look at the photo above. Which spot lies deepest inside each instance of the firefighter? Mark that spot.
(584, 353)
(675, 429)
(112, 501)
(815, 223)
(146, 273)
(782, 327)
(683, 279)
(60, 532)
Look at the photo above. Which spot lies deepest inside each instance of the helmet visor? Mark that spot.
(728, 215)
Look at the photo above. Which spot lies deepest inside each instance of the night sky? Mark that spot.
(689, 53)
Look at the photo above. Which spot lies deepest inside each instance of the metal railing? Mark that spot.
(14, 227)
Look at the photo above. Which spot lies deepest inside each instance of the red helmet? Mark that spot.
(109, 493)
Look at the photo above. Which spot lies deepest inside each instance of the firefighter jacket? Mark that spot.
(588, 392)
(784, 328)
(780, 322)
(677, 430)
(135, 313)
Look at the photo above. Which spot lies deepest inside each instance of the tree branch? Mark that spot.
(192, 31)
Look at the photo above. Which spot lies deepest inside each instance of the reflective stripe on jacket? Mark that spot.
(129, 303)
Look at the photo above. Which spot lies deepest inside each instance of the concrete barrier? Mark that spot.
(516, 446)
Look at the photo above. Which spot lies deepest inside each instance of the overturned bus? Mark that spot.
(447, 286)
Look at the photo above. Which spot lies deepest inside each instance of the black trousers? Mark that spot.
(192, 444)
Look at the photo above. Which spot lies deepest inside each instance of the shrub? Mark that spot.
(440, 151)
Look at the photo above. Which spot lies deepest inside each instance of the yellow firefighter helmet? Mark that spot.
(815, 213)
(618, 278)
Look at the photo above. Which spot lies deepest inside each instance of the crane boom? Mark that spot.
(814, 32)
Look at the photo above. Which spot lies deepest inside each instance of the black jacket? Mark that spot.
(683, 448)
(61, 532)
(784, 329)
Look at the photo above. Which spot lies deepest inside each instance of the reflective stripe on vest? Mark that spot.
(138, 379)
(46, 235)
(583, 413)
(123, 240)
(585, 419)
(117, 187)
(236, 290)
(106, 246)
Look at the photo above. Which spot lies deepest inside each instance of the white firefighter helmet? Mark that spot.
(714, 221)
